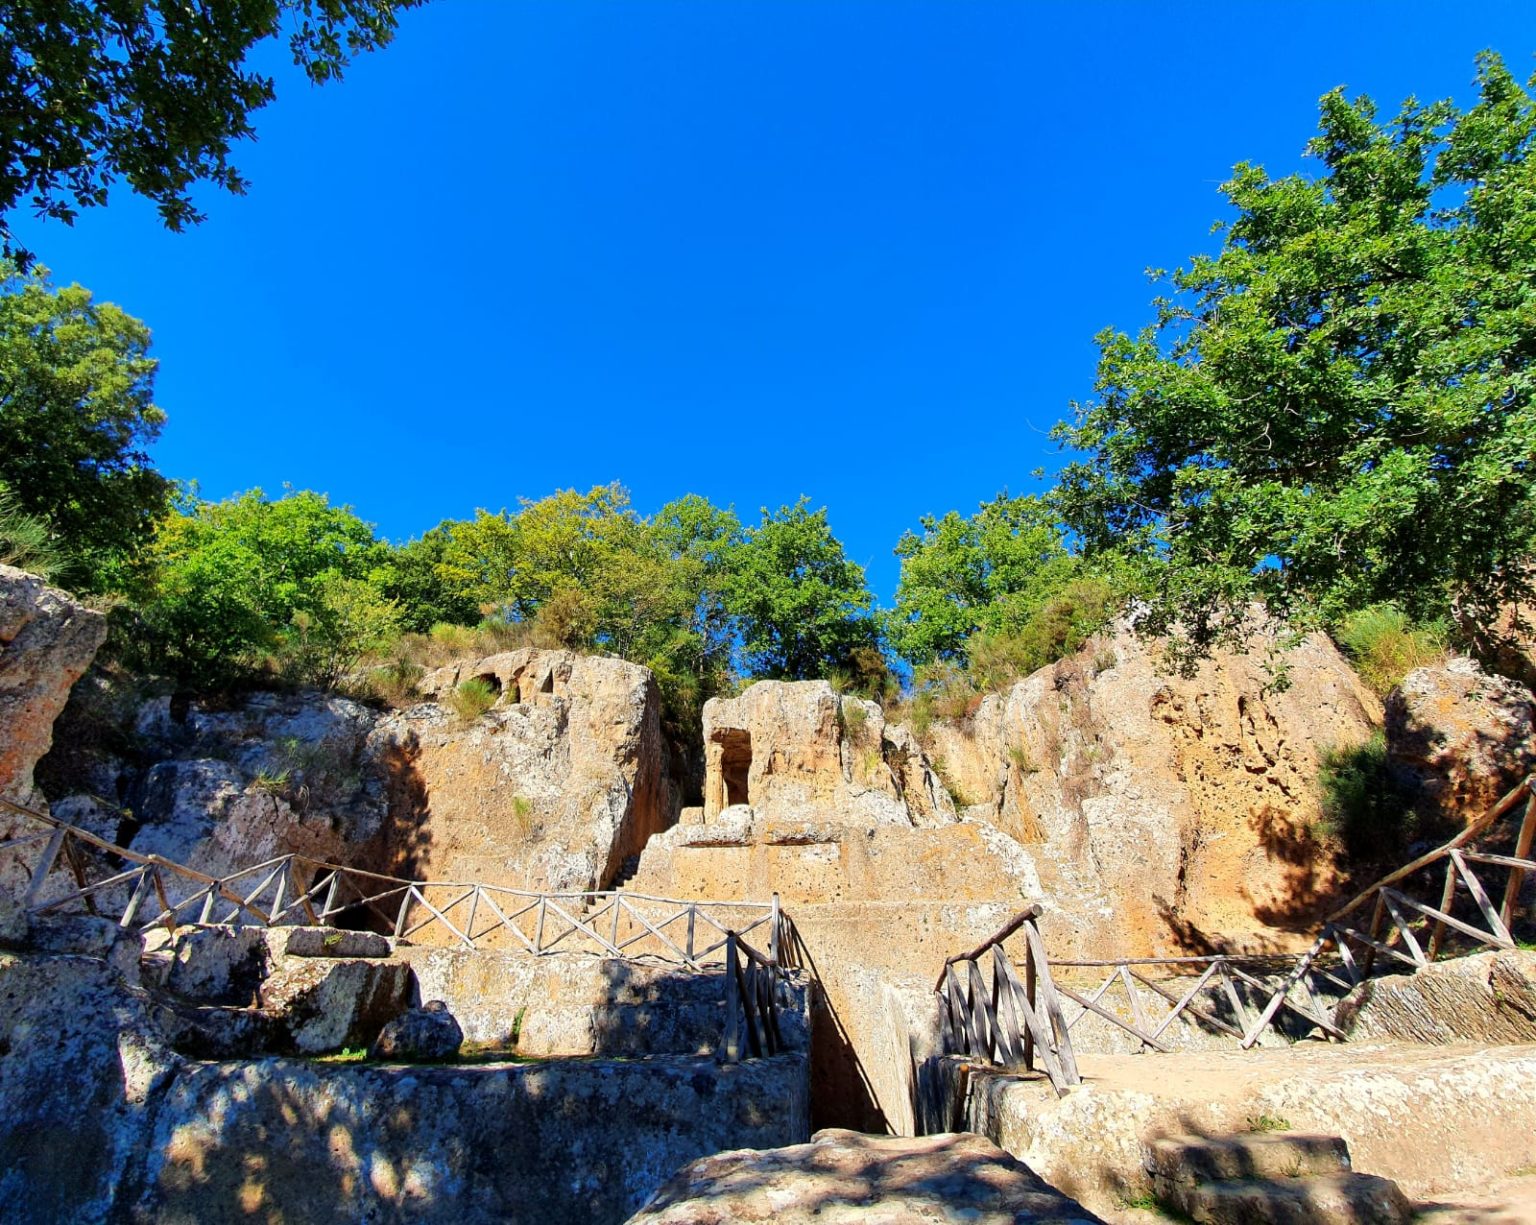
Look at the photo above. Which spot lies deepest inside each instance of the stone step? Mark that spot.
(1324, 1199)
(1275, 1154)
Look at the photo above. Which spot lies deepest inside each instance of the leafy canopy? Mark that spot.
(154, 92)
(227, 583)
(1335, 411)
(962, 575)
(801, 607)
(76, 418)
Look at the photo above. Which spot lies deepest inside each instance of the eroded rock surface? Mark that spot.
(47, 641)
(795, 750)
(842, 1177)
(1165, 813)
(554, 787)
(428, 1034)
(82, 1069)
(1460, 738)
(1487, 997)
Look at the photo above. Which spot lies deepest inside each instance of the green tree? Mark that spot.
(154, 92)
(962, 575)
(800, 606)
(414, 576)
(76, 416)
(229, 583)
(1335, 411)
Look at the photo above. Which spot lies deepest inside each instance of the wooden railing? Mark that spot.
(1230, 985)
(1008, 1022)
(77, 871)
(1403, 928)
(753, 988)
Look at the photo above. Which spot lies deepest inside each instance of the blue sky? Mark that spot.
(856, 249)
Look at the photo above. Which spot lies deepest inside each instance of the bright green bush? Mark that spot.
(1384, 645)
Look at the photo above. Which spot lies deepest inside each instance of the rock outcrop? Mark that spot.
(554, 787)
(47, 641)
(1165, 813)
(1487, 997)
(82, 1070)
(560, 782)
(799, 751)
(844, 1178)
(817, 798)
(1458, 738)
(428, 1034)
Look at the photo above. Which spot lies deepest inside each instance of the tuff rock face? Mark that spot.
(1163, 812)
(554, 787)
(797, 751)
(47, 641)
(841, 1178)
(1460, 738)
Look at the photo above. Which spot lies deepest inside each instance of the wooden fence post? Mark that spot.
(1517, 875)
(732, 1004)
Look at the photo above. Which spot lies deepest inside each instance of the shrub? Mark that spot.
(472, 699)
(1364, 806)
(455, 640)
(1384, 645)
(350, 620)
(566, 619)
(395, 683)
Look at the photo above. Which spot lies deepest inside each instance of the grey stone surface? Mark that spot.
(83, 1065)
(428, 1034)
(329, 1004)
(1431, 1118)
(586, 1141)
(1487, 997)
(845, 1178)
(330, 942)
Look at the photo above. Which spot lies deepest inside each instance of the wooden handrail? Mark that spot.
(345, 888)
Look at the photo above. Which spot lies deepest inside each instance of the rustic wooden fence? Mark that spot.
(1245, 996)
(75, 871)
(754, 987)
(1007, 1021)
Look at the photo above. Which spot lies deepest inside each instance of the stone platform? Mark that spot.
(1441, 1121)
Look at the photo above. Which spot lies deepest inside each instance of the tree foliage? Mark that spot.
(962, 575)
(801, 607)
(153, 92)
(227, 585)
(1335, 410)
(76, 416)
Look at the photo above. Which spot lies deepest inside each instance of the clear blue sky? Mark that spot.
(856, 249)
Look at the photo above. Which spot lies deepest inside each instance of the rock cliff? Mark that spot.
(47, 641)
(1458, 738)
(1164, 812)
(553, 787)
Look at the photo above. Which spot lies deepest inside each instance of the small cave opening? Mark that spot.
(735, 766)
(491, 681)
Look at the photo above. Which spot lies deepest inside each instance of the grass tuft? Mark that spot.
(472, 699)
(1385, 645)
